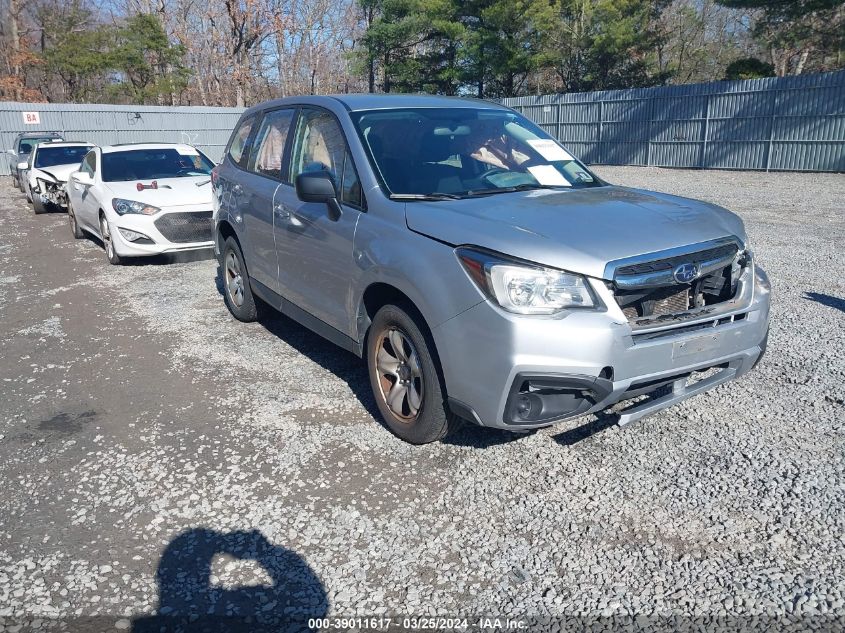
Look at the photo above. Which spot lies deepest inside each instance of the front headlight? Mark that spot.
(41, 185)
(132, 206)
(524, 288)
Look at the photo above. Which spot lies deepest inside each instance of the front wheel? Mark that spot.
(38, 206)
(74, 225)
(404, 378)
(105, 232)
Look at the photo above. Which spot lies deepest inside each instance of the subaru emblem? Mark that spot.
(685, 273)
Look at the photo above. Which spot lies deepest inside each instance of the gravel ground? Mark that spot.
(160, 459)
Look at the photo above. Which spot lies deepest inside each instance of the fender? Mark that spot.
(381, 255)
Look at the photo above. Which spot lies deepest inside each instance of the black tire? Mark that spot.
(420, 380)
(74, 225)
(237, 292)
(38, 206)
(105, 233)
(26, 193)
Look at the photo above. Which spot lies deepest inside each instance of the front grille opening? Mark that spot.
(196, 226)
(641, 300)
(645, 303)
(713, 289)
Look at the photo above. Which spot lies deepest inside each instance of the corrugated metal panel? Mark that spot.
(207, 128)
(782, 123)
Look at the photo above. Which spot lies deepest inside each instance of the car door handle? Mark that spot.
(285, 216)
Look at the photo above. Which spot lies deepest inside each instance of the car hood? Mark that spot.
(579, 230)
(59, 172)
(171, 192)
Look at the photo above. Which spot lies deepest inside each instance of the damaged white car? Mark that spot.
(48, 168)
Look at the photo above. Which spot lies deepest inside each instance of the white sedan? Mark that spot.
(47, 171)
(143, 199)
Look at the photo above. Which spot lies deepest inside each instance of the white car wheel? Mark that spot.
(105, 232)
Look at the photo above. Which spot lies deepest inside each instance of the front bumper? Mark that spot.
(488, 354)
(146, 225)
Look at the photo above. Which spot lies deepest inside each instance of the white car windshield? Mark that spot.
(147, 164)
(460, 152)
(52, 156)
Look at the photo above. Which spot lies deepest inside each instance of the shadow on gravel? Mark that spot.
(601, 422)
(183, 257)
(826, 300)
(189, 603)
(327, 355)
(474, 436)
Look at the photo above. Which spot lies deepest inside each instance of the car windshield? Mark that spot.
(25, 145)
(461, 152)
(147, 164)
(52, 156)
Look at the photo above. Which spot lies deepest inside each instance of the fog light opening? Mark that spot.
(134, 236)
(539, 399)
(527, 406)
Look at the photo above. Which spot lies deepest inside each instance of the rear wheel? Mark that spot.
(404, 378)
(105, 232)
(236, 289)
(74, 225)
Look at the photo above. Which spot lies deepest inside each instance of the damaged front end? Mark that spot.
(51, 190)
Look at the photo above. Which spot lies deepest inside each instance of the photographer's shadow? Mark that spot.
(189, 603)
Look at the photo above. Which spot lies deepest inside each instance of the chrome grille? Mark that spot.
(659, 272)
(182, 228)
(727, 251)
(647, 290)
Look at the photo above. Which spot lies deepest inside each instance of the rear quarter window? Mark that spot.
(239, 143)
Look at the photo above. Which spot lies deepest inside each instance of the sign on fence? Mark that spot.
(31, 118)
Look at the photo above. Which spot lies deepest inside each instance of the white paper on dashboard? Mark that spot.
(548, 175)
(549, 150)
(187, 151)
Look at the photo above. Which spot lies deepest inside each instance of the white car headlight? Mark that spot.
(132, 206)
(524, 288)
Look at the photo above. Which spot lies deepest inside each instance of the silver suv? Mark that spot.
(482, 271)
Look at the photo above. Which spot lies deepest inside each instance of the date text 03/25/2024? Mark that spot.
(432, 623)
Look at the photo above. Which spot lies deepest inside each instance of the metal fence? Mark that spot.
(790, 123)
(206, 128)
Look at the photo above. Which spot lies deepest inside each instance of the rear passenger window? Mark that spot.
(270, 142)
(237, 146)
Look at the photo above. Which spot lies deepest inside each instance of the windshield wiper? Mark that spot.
(524, 187)
(425, 196)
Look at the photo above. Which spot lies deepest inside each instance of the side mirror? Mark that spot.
(82, 177)
(23, 165)
(318, 186)
(12, 152)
